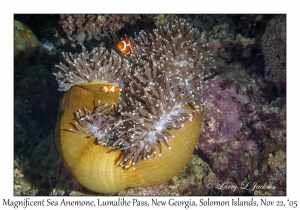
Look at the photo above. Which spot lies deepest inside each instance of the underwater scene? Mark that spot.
(149, 104)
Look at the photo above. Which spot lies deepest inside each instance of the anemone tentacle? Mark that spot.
(163, 72)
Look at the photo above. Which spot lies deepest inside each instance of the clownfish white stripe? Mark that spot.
(125, 45)
(111, 89)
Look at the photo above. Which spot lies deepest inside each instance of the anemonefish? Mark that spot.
(125, 46)
(111, 89)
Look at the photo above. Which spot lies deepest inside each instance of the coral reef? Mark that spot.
(221, 122)
(231, 47)
(245, 56)
(232, 141)
(254, 118)
(274, 50)
(220, 107)
(26, 44)
(79, 29)
(207, 22)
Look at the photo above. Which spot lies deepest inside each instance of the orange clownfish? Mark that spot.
(125, 46)
(111, 89)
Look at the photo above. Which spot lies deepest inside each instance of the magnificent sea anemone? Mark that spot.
(145, 134)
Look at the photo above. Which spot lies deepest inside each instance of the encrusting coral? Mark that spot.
(161, 81)
(84, 29)
(26, 43)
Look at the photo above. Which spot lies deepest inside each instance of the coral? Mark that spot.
(252, 154)
(32, 102)
(228, 46)
(21, 184)
(159, 18)
(262, 128)
(207, 22)
(221, 114)
(251, 25)
(50, 47)
(220, 140)
(272, 170)
(26, 44)
(275, 114)
(34, 108)
(80, 28)
(274, 50)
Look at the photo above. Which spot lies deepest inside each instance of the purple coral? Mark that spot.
(221, 139)
(221, 117)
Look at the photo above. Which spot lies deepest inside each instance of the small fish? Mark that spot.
(111, 89)
(125, 46)
(26, 33)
